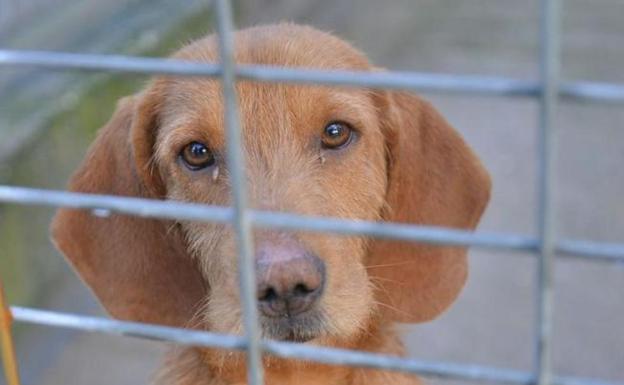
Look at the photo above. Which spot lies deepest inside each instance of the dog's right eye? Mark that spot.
(336, 135)
(197, 156)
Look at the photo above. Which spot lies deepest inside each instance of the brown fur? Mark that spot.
(406, 165)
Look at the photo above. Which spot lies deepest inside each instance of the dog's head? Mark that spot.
(352, 153)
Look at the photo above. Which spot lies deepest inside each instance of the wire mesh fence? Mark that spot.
(548, 90)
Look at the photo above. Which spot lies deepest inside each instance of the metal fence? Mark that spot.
(548, 90)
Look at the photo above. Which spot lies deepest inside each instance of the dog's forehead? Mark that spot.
(287, 45)
(268, 106)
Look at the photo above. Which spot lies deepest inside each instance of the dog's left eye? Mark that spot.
(336, 135)
(197, 156)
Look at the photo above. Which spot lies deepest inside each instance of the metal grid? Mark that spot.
(548, 90)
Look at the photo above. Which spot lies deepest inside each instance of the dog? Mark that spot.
(346, 152)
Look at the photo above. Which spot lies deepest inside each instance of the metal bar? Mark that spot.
(486, 85)
(610, 252)
(402, 80)
(549, 78)
(105, 63)
(6, 338)
(236, 168)
(392, 230)
(424, 82)
(104, 205)
(328, 356)
(127, 328)
(596, 92)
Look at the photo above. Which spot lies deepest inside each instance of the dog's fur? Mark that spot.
(405, 164)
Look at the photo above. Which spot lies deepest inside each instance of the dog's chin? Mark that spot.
(300, 328)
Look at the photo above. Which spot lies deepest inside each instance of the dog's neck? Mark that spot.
(197, 366)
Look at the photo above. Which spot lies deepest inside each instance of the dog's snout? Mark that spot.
(290, 280)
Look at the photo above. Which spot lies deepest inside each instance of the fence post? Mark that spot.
(550, 47)
(241, 221)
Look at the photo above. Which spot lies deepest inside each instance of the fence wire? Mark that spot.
(424, 82)
(548, 90)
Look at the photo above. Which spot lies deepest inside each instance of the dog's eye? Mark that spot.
(336, 135)
(197, 156)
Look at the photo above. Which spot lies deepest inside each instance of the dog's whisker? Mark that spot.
(384, 279)
(390, 264)
(380, 287)
(171, 228)
(393, 308)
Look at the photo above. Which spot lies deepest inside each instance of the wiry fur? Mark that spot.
(406, 164)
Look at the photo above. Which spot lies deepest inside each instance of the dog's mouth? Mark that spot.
(299, 328)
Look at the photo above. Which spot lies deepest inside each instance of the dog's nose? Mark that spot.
(290, 279)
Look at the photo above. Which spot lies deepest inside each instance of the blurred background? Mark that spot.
(48, 118)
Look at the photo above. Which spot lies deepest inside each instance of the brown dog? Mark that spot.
(313, 150)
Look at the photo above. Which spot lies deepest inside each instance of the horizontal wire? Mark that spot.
(104, 205)
(433, 82)
(330, 356)
(604, 251)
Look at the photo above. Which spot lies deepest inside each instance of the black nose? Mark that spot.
(290, 280)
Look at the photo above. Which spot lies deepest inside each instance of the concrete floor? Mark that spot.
(493, 321)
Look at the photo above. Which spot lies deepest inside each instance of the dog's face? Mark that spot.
(352, 153)
(306, 147)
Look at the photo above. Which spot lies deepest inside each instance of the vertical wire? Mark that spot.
(241, 220)
(8, 349)
(550, 24)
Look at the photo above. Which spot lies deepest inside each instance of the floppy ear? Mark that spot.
(138, 268)
(434, 179)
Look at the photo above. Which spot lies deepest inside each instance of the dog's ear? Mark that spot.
(433, 179)
(138, 268)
